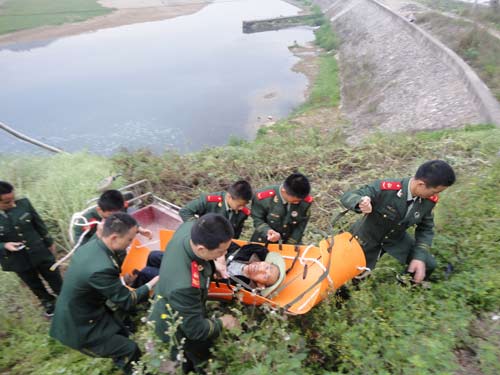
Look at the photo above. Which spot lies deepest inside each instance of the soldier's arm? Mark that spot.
(192, 208)
(351, 199)
(259, 216)
(40, 227)
(107, 282)
(298, 231)
(187, 302)
(424, 233)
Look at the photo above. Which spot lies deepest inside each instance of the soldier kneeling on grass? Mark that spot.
(82, 319)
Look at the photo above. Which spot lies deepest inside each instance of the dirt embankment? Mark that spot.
(126, 12)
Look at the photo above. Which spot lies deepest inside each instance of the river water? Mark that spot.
(186, 83)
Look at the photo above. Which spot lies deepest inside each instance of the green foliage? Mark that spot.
(326, 90)
(27, 14)
(156, 357)
(325, 38)
(266, 345)
(474, 44)
(25, 345)
(57, 186)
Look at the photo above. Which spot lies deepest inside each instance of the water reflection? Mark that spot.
(184, 83)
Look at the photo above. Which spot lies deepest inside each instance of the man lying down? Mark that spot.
(252, 266)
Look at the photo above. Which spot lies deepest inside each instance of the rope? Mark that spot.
(74, 220)
(25, 138)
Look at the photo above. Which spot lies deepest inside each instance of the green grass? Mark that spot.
(18, 15)
(477, 47)
(383, 328)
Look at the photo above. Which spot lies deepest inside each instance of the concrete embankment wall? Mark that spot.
(396, 76)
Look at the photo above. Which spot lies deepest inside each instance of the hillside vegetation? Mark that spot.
(383, 328)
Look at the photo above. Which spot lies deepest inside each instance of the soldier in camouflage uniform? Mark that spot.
(82, 319)
(26, 247)
(230, 204)
(185, 273)
(281, 212)
(390, 207)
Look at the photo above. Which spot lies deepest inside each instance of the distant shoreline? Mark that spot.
(126, 12)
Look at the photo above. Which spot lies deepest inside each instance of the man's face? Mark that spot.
(235, 204)
(290, 198)
(7, 201)
(423, 191)
(205, 254)
(263, 273)
(118, 242)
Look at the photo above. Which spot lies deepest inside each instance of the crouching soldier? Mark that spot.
(281, 212)
(82, 320)
(185, 273)
(390, 207)
(232, 204)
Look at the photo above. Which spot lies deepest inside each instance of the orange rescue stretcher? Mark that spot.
(312, 271)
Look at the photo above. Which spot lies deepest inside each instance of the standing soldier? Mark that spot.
(230, 204)
(185, 274)
(82, 319)
(281, 212)
(390, 207)
(26, 247)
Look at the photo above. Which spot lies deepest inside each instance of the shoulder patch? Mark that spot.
(214, 198)
(266, 194)
(195, 275)
(246, 211)
(308, 199)
(92, 224)
(434, 198)
(390, 185)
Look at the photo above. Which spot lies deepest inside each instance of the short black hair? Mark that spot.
(111, 200)
(297, 185)
(119, 223)
(436, 173)
(5, 188)
(241, 190)
(210, 230)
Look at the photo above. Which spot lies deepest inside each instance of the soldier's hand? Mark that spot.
(365, 205)
(13, 246)
(129, 279)
(273, 236)
(417, 267)
(229, 321)
(146, 233)
(151, 283)
(221, 267)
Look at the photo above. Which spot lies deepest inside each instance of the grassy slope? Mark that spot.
(384, 328)
(27, 14)
(476, 46)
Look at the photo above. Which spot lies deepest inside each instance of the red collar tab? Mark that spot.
(390, 185)
(434, 198)
(266, 194)
(309, 199)
(214, 198)
(125, 204)
(246, 211)
(195, 275)
(92, 223)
